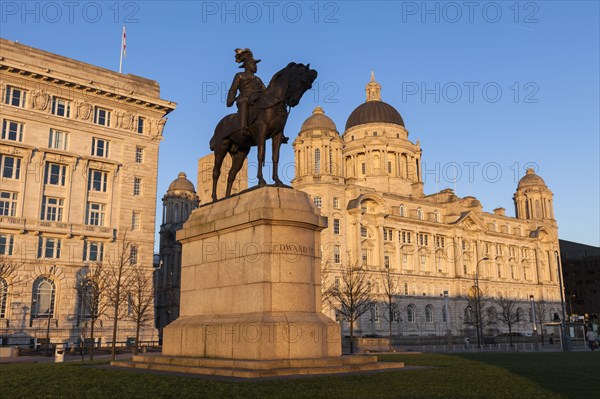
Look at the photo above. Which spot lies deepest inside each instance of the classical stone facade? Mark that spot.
(178, 203)
(367, 181)
(79, 160)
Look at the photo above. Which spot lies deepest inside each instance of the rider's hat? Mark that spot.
(244, 54)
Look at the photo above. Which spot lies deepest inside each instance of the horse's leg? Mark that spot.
(220, 153)
(261, 142)
(276, 141)
(236, 164)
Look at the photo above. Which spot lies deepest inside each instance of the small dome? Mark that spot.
(374, 110)
(531, 179)
(181, 184)
(318, 121)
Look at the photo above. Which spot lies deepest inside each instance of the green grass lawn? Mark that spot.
(511, 375)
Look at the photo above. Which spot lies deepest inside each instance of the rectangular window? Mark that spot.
(7, 241)
(49, 248)
(365, 256)
(423, 240)
(363, 168)
(336, 203)
(140, 125)
(405, 237)
(137, 186)
(439, 242)
(97, 180)
(93, 251)
(363, 231)
(95, 214)
(423, 260)
(336, 254)
(405, 288)
(8, 203)
(15, 96)
(12, 130)
(58, 140)
(336, 226)
(135, 220)
(498, 250)
(388, 234)
(405, 258)
(465, 269)
(464, 245)
(101, 116)
(100, 147)
(318, 202)
(52, 209)
(133, 255)
(61, 107)
(389, 167)
(386, 261)
(10, 167)
(56, 174)
(139, 155)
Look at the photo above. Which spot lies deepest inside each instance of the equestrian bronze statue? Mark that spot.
(262, 115)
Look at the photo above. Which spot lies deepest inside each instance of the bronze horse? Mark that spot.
(266, 121)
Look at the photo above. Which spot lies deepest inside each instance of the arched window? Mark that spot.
(519, 314)
(428, 314)
(317, 161)
(419, 214)
(43, 298)
(88, 299)
(3, 297)
(402, 211)
(410, 314)
(469, 315)
(527, 215)
(492, 315)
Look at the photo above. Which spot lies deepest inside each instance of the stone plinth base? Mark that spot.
(263, 336)
(257, 368)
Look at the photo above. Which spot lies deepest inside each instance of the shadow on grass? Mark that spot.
(570, 374)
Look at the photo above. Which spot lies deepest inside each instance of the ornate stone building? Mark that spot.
(367, 181)
(78, 165)
(179, 201)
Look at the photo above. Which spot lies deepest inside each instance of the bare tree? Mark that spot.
(118, 278)
(350, 295)
(509, 315)
(475, 315)
(142, 298)
(542, 314)
(91, 287)
(391, 291)
(9, 266)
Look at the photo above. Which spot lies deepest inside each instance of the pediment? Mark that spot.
(469, 221)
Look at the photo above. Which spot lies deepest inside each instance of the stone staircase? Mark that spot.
(257, 368)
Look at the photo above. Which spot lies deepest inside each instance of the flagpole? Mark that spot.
(122, 42)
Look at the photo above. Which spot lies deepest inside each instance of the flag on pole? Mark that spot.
(123, 49)
(124, 42)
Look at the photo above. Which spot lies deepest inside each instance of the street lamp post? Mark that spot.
(566, 341)
(50, 308)
(477, 302)
(533, 322)
(571, 306)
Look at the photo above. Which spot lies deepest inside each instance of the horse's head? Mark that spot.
(295, 79)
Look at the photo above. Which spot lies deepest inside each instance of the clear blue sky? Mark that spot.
(497, 85)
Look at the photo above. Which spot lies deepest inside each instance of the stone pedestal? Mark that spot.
(251, 292)
(251, 281)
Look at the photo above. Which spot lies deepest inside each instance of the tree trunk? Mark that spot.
(91, 340)
(113, 355)
(137, 336)
(351, 336)
(510, 334)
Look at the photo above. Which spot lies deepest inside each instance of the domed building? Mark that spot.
(437, 247)
(178, 203)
